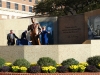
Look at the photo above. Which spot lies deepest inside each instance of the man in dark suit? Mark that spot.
(11, 38)
(23, 36)
(24, 40)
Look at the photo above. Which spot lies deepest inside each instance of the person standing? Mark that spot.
(24, 40)
(23, 35)
(44, 36)
(11, 38)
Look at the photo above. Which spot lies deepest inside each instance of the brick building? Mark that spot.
(12, 9)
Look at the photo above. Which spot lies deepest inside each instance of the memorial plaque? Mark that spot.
(71, 29)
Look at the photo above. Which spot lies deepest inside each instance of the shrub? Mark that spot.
(98, 66)
(2, 62)
(84, 64)
(91, 68)
(81, 68)
(34, 69)
(8, 64)
(62, 69)
(15, 68)
(52, 69)
(23, 69)
(73, 68)
(21, 63)
(49, 69)
(33, 64)
(69, 62)
(95, 60)
(46, 61)
(57, 65)
(5, 69)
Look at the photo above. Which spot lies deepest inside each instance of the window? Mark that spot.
(0, 3)
(8, 4)
(30, 9)
(30, 0)
(23, 7)
(16, 6)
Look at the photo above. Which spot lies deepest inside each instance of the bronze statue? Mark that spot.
(35, 30)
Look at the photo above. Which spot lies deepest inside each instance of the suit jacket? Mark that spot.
(23, 36)
(11, 40)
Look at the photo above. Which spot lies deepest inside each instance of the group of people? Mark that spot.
(38, 35)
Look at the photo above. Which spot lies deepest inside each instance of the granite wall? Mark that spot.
(57, 52)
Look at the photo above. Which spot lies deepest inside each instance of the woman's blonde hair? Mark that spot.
(43, 26)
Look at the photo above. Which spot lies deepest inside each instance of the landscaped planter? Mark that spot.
(84, 73)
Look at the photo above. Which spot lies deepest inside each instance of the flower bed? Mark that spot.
(47, 66)
(85, 73)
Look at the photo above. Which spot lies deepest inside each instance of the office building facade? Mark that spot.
(12, 9)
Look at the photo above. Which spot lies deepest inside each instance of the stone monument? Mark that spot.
(71, 29)
(92, 20)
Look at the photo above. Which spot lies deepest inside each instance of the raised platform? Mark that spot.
(96, 37)
(58, 52)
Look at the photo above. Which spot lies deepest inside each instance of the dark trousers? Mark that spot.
(11, 42)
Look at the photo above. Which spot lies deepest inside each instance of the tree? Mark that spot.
(66, 7)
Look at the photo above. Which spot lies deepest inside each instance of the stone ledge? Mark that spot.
(87, 42)
(84, 73)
